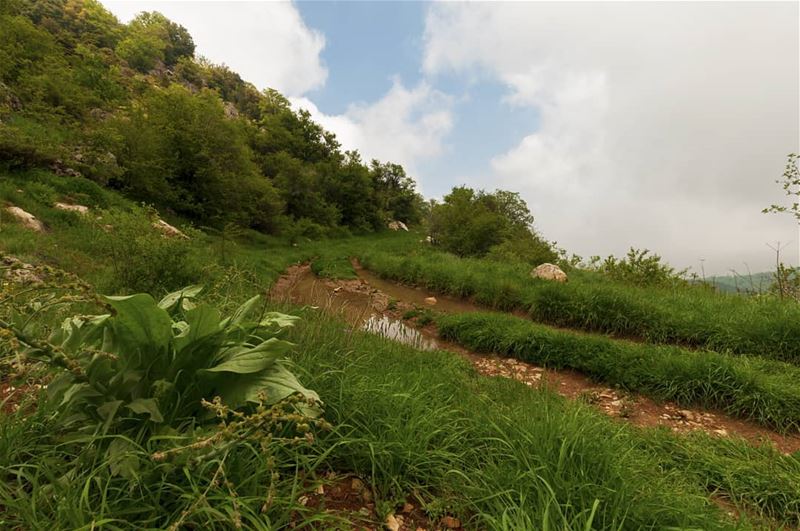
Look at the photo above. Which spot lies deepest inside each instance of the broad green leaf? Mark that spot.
(169, 301)
(77, 393)
(140, 326)
(146, 405)
(202, 322)
(122, 458)
(277, 383)
(281, 320)
(79, 332)
(241, 312)
(60, 384)
(255, 359)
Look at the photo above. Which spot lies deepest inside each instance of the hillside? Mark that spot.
(130, 107)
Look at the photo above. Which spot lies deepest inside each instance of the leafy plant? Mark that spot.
(147, 363)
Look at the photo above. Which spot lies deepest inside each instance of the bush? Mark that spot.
(142, 258)
(639, 267)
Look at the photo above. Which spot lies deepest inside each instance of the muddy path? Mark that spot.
(378, 306)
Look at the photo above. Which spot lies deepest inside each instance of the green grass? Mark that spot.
(751, 388)
(332, 265)
(490, 451)
(686, 316)
(493, 452)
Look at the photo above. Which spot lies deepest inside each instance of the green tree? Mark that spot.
(180, 150)
(470, 223)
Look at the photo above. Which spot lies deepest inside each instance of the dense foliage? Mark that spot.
(499, 224)
(131, 107)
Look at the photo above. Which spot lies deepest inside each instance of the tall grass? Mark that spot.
(751, 388)
(490, 451)
(681, 315)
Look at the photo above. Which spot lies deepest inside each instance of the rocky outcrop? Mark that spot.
(397, 225)
(80, 209)
(27, 219)
(549, 272)
(18, 271)
(168, 230)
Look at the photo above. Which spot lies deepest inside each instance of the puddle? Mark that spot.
(398, 331)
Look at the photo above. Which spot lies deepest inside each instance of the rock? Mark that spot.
(451, 523)
(230, 110)
(357, 485)
(27, 219)
(59, 167)
(168, 230)
(407, 507)
(392, 524)
(397, 225)
(80, 209)
(549, 272)
(18, 271)
(430, 300)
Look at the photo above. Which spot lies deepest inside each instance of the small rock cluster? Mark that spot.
(523, 372)
(693, 420)
(18, 271)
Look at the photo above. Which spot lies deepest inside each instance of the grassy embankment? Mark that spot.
(684, 316)
(747, 387)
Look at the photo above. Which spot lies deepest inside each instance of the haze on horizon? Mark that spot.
(645, 124)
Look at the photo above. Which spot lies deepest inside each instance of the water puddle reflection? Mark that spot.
(398, 331)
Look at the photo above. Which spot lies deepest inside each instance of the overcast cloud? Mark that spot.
(663, 125)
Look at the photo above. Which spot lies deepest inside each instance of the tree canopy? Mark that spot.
(131, 107)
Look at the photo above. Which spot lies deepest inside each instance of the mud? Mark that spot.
(377, 306)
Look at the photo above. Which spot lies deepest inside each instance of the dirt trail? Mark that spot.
(372, 300)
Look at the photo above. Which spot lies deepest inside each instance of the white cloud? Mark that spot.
(662, 125)
(405, 126)
(267, 43)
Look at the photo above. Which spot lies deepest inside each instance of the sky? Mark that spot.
(634, 124)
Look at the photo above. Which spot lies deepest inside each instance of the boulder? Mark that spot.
(168, 230)
(27, 219)
(80, 209)
(397, 225)
(549, 272)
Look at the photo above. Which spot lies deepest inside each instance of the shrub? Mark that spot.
(147, 363)
(143, 259)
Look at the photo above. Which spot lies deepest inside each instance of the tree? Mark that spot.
(179, 150)
(497, 225)
(790, 183)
